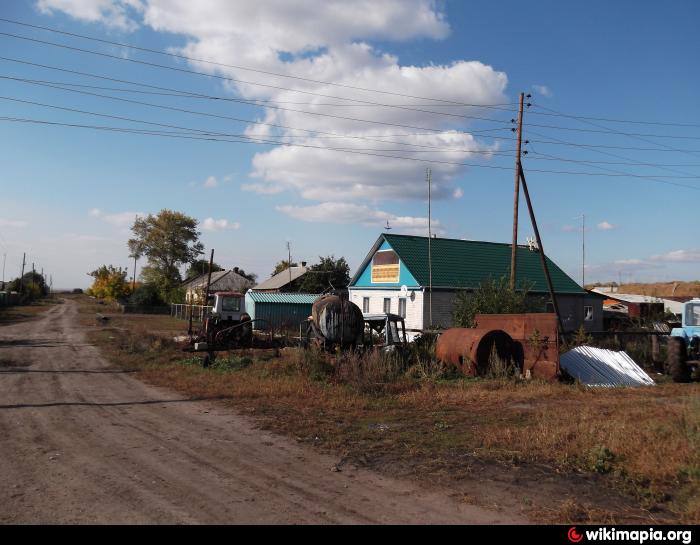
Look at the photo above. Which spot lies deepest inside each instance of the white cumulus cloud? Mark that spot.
(116, 14)
(605, 226)
(211, 224)
(351, 213)
(329, 41)
(679, 256)
(211, 182)
(542, 90)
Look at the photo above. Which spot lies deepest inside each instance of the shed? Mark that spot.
(283, 311)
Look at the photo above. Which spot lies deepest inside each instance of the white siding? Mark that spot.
(414, 304)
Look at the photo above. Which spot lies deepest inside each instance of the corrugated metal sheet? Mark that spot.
(599, 367)
(293, 298)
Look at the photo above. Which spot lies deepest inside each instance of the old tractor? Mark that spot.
(683, 355)
(228, 326)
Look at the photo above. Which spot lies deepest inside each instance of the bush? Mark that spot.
(494, 297)
(146, 296)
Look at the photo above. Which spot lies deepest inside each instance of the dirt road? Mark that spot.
(82, 442)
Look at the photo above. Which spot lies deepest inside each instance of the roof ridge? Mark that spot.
(454, 239)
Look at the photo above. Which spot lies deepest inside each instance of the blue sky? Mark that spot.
(69, 194)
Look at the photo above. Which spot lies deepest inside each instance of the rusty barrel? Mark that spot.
(338, 320)
(470, 349)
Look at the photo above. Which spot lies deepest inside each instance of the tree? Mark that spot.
(200, 267)
(32, 284)
(282, 266)
(168, 240)
(110, 283)
(493, 297)
(326, 274)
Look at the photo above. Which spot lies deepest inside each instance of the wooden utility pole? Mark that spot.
(516, 198)
(428, 178)
(543, 257)
(289, 264)
(21, 276)
(211, 264)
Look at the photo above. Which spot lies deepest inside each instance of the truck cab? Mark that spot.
(227, 306)
(390, 328)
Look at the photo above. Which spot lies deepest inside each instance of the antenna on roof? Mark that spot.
(387, 227)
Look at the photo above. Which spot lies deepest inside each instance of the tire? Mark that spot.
(676, 360)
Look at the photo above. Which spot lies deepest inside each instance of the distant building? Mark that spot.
(285, 281)
(395, 277)
(220, 281)
(635, 306)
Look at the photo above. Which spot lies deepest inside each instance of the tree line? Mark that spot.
(169, 241)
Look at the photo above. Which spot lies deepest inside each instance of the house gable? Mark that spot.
(383, 268)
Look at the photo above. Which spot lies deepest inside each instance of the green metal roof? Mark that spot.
(466, 263)
(293, 298)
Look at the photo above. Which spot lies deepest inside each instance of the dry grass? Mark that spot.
(22, 313)
(641, 446)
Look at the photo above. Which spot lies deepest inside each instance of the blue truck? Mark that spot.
(683, 355)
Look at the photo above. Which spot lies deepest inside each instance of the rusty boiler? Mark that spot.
(529, 340)
(337, 320)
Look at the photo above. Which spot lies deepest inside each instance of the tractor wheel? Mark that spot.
(676, 364)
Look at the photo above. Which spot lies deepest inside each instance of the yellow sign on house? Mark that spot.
(385, 267)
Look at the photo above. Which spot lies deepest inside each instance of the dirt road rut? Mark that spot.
(83, 442)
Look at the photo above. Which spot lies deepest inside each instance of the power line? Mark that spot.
(236, 80)
(636, 137)
(175, 55)
(610, 120)
(382, 123)
(628, 163)
(230, 118)
(354, 151)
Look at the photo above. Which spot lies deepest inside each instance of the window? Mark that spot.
(402, 307)
(692, 317)
(387, 305)
(365, 305)
(588, 314)
(231, 304)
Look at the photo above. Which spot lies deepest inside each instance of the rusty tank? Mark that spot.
(531, 341)
(337, 321)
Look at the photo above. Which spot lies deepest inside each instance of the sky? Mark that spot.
(313, 123)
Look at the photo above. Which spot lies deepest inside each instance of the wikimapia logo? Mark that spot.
(636, 536)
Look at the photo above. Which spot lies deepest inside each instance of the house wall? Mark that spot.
(414, 303)
(442, 304)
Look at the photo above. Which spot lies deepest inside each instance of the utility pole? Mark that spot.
(583, 249)
(4, 259)
(211, 264)
(33, 273)
(428, 177)
(133, 278)
(516, 197)
(289, 264)
(543, 257)
(21, 276)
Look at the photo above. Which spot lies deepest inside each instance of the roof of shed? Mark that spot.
(466, 263)
(293, 298)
